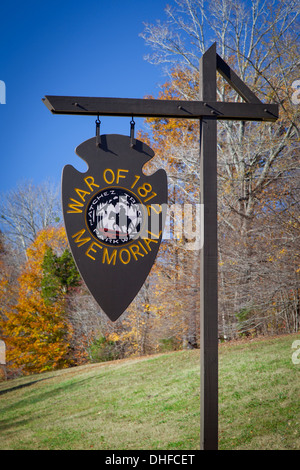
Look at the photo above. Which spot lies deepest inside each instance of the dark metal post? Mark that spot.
(209, 259)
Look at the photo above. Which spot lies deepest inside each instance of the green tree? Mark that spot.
(59, 275)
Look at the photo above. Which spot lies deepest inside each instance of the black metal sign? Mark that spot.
(114, 216)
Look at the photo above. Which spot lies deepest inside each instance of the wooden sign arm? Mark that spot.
(94, 106)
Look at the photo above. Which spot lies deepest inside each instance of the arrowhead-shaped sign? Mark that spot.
(114, 216)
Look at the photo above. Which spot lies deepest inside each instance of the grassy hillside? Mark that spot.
(153, 402)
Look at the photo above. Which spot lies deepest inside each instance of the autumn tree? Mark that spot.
(37, 332)
(7, 279)
(256, 162)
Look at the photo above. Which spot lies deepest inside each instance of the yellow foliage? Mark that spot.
(38, 335)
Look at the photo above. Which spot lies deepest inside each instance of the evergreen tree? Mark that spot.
(59, 275)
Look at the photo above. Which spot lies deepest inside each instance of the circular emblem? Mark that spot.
(114, 216)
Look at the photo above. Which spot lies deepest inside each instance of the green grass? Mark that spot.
(153, 402)
(259, 400)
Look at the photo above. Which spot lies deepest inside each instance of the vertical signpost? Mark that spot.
(209, 258)
(208, 110)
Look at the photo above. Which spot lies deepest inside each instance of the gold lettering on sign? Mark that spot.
(75, 205)
(135, 252)
(143, 248)
(91, 182)
(110, 177)
(119, 175)
(127, 256)
(80, 241)
(147, 241)
(81, 193)
(110, 259)
(153, 235)
(91, 248)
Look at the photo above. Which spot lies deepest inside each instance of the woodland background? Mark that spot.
(47, 317)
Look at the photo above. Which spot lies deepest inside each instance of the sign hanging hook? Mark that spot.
(132, 139)
(98, 122)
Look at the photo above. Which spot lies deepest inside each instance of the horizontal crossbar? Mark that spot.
(160, 108)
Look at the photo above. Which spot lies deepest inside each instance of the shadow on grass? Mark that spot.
(17, 387)
(33, 399)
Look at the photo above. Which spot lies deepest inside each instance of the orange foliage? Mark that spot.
(167, 133)
(38, 335)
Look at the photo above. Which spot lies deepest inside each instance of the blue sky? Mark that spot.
(88, 48)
